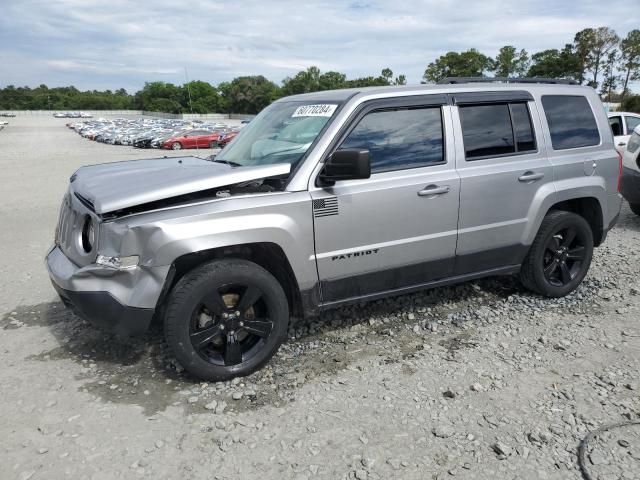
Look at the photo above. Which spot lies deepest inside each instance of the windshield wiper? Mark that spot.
(231, 164)
(285, 150)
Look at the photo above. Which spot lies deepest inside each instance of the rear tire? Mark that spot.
(635, 208)
(213, 144)
(176, 146)
(226, 319)
(560, 255)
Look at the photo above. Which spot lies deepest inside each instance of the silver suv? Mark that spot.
(339, 197)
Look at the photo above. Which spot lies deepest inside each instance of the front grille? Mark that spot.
(65, 224)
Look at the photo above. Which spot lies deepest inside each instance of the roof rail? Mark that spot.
(556, 81)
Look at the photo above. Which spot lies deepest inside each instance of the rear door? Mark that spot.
(502, 167)
(396, 229)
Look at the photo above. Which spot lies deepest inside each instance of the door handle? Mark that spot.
(433, 190)
(622, 144)
(530, 176)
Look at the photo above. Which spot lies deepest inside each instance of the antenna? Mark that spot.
(186, 79)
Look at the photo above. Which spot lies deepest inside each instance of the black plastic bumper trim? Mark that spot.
(103, 310)
(630, 185)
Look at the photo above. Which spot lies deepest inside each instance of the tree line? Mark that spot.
(597, 57)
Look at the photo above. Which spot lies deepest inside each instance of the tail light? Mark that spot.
(619, 171)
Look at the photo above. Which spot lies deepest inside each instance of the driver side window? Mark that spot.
(399, 138)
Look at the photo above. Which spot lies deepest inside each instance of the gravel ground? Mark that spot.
(482, 380)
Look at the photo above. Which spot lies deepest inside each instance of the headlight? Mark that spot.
(118, 263)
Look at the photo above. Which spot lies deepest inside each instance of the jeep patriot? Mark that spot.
(340, 197)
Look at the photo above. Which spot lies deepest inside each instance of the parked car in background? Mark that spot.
(631, 171)
(147, 132)
(622, 125)
(225, 138)
(72, 115)
(193, 139)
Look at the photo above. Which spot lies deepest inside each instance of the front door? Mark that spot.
(397, 229)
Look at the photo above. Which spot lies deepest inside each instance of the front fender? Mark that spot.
(283, 219)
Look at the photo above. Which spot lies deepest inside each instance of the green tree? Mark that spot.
(510, 63)
(304, 81)
(367, 82)
(400, 80)
(147, 98)
(471, 63)
(630, 57)
(199, 96)
(583, 42)
(332, 80)
(631, 104)
(555, 63)
(610, 74)
(387, 74)
(605, 44)
(251, 94)
(592, 47)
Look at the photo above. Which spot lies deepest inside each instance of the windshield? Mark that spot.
(281, 133)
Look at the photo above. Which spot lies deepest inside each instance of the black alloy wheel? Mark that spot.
(230, 325)
(560, 256)
(565, 252)
(226, 318)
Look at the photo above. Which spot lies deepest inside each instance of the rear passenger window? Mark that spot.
(399, 138)
(496, 129)
(571, 121)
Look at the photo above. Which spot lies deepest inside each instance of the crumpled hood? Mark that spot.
(113, 186)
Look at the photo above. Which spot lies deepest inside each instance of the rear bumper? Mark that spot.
(104, 311)
(630, 185)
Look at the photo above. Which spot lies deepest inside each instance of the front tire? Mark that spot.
(560, 255)
(226, 319)
(635, 208)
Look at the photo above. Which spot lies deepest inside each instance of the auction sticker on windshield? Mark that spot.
(321, 110)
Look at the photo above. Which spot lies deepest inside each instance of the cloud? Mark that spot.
(93, 44)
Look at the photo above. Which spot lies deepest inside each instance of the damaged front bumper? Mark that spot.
(120, 301)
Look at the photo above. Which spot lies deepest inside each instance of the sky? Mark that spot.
(123, 44)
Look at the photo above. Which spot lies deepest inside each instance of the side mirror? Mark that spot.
(346, 165)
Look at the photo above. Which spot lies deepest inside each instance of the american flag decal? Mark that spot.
(323, 207)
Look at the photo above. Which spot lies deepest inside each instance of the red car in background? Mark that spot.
(192, 139)
(225, 138)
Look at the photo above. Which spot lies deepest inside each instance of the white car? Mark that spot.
(631, 172)
(622, 125)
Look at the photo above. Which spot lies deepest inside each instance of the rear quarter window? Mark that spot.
(571, 121)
